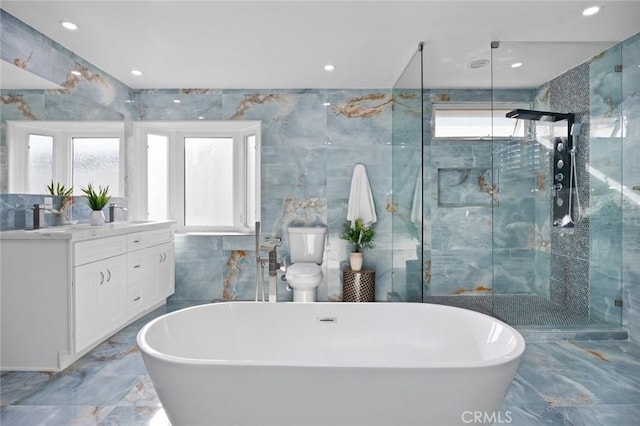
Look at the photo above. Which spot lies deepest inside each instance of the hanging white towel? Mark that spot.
(361, 204)
(416, 205)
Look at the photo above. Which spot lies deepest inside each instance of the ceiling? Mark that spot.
(285, 44)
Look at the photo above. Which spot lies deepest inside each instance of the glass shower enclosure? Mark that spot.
(507, 184)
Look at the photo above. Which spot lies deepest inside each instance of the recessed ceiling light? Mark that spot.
(326, 103)
(128, 101)
(478, 63)
(76, 72)
(137, 73)
(177, 101)
(516, 65)
(69, 25)
(329, 67)
(591, 10)
(200, 118)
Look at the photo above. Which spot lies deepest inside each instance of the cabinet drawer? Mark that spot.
(101, 248)
(136, 267)
(139, 240)
(135, 300)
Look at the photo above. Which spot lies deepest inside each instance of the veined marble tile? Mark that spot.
(597, 415)
(22, 105)
(158, 104)
(79, 388)
(54, 415)
(15, 385)
(567, 375)
(25, 47)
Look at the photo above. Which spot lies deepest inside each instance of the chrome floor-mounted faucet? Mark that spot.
(270, 245)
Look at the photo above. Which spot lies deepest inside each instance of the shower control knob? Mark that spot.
(559, 176)
(560, 147)
(560, 164)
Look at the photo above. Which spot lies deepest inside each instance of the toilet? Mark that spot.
(306, 249)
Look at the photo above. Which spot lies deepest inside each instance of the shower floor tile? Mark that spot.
(517, 310)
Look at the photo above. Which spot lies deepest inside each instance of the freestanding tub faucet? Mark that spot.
(270, 245)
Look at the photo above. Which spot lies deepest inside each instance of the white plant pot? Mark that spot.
(355, 260)
(96, 218)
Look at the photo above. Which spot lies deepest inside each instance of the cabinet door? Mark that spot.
(166, 274)
(100, 299)
(87, 279)
(112, 294)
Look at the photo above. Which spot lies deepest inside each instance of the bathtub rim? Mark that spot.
(513, 356)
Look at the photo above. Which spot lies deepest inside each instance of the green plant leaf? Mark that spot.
(359, 235)
(96, 200)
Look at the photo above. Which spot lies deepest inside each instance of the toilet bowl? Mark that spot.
(304, 278)
(306, 251)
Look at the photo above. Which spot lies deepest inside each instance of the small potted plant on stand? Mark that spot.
(96, 200)
(361, 237)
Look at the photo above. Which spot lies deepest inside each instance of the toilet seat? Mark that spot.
(304, 273)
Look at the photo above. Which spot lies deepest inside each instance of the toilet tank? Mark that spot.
(306, 244)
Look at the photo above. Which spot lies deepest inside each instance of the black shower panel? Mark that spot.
(563, 184)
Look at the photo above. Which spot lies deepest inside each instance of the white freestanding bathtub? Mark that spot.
(329, 364)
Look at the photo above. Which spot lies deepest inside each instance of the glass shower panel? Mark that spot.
(557, 217)
(457, 165)
(406, 198)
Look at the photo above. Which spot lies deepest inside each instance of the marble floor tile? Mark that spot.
(560, 383)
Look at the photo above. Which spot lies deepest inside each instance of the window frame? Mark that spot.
(176, 132)
(63, 133)
(484, 106)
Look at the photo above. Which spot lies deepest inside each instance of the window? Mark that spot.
(476, 121)
(72, 153)
(203, 175)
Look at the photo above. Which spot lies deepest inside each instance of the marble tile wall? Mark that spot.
(461, 230)
(308, 154)
(92, 95)
(568, 249)
(631, 179)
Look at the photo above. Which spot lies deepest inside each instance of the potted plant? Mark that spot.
(66, 199)
(361, 237)
(96, 200)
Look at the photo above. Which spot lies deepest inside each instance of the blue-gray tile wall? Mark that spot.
(630, 180)
(308, 154)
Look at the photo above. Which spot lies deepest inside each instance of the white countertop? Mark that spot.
(85, 231)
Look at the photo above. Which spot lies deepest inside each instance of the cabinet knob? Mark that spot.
(136, 299)
(101, 277)
(108, 275)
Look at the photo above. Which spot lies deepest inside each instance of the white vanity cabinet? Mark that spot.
(67, 289)
(100, 288)
(150, 273)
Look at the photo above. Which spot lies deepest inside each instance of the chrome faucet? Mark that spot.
(112, 211)
(270, 245)
(38, 215)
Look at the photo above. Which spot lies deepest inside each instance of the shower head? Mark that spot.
(529, 114)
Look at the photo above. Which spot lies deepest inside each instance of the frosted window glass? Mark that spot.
(96, 161)
(157, 177)
(208, 174)
(251, 179)
(40, 163)
(476, 123)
